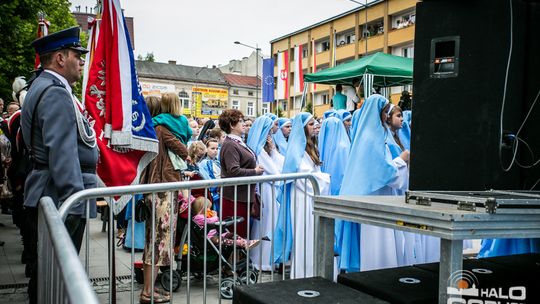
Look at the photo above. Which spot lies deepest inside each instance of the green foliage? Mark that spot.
(148, 57)
(279, 112)
(18, 28)
(309, 107)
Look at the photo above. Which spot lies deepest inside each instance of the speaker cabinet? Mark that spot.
(460, 85)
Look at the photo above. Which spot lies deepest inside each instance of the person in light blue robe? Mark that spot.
(405, 132)
(328, 113)
(334, 145)
(499, 247)
(346, 117)
(260, 141)
(372, 170)
(295, 219)
(279, 137)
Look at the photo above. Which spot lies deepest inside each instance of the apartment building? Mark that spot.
(383, 26)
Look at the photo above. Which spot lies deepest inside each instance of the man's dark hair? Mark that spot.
(228, 118)
(46, 59)
(339, 87)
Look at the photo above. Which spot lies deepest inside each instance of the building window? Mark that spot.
(250, 93)
(345, 38)
(184, 99)
(235, 92)
(297, 102)
(249, 111)
(305, 51)
(325, 98)
(322, 46)
(284, 105)
(235, 105)
(403, 19)
(265, 108)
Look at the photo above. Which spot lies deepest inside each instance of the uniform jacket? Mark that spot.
(57, 146)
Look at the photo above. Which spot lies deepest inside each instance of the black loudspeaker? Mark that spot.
(402, 285)
(309, 290)
(460, 82)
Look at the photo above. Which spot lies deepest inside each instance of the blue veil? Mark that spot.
(279, 138)
(258, 133)
(293, 157)
(368, 170)
(342, 114)
(405, 132)
(271, 115)
(329, 113)
(334, 146)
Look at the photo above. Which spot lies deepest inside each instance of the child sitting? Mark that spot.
(201, 209)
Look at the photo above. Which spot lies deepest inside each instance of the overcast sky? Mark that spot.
(202, 32)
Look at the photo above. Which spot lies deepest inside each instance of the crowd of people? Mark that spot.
(49, 149)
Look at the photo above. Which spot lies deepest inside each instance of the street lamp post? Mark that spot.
(257, 49)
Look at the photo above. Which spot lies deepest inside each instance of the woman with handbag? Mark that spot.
(173, 132)
(237, 160)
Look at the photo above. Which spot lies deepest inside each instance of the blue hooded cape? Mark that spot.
(279, 138)
(334, 146)
(405, 132)
(368, 170)
(329, 113)
(258, 133)
(295, 153)
(342, 114)
(271, 115)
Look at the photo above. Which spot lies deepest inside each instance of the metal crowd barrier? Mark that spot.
(61, 276)
(238, 267)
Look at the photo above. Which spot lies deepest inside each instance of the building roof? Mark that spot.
(179, 72)
(354, 10)
(242, 81)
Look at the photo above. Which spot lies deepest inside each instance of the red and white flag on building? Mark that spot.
(115, 106)
(42, 30)
(314, 63)
(298, 70)
(283, 75)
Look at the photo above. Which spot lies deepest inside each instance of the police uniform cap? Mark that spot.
(64, 39)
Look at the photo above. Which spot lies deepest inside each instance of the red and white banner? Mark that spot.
(114, 103)
(283, 75)
(298, 70)
(43, 30)
(314, 63)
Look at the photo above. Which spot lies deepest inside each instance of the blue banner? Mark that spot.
(268, 80)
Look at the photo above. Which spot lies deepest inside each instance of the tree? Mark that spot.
(148, 57)
(18, 28)
(309, 107)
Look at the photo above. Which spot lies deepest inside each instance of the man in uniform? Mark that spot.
(62, 144)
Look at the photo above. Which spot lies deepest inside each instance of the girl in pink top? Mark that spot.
(201, 208)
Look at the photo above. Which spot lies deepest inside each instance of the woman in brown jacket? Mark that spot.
(172, 131)
(237, 160)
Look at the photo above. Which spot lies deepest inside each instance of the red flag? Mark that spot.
(42, 30)
(116, 109)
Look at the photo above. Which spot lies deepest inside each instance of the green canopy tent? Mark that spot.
(386, 70)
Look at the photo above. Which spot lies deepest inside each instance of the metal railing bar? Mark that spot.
(78, 290)
(164, 187)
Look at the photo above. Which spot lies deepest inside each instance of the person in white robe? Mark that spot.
(260, 141)
(372, 170)
(295, 228)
